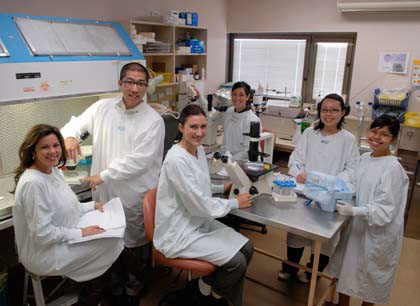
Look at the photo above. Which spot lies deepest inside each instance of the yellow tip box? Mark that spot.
(412, 119)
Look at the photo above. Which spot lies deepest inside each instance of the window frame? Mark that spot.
(310, 55)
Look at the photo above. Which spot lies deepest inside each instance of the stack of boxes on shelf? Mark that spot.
(174, 47)
(189, 73)
(146, 42)
(191, 46)
(191, 18)
(173, 18)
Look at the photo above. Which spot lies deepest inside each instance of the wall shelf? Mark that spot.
(167, 62)
(158, 54)
(191, 54)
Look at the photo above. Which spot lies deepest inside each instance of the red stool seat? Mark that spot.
(199, 267)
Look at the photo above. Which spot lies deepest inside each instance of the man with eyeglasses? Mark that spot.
(128, 137)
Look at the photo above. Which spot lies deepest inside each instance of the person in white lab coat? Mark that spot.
(326, 148)
(366, 259)
(185, 224)
(45, 216)
(237, 120)
(128, 138)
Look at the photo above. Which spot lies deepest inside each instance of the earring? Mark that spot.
(33, 157)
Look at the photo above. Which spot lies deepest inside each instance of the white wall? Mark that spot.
(375, 33)
(15, 120)
(212, 15)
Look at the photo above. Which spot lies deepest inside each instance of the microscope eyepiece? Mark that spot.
(253, 190)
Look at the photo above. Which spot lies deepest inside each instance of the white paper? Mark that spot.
(112, 220)
(113, 233)
(112, 217)
(393, 62)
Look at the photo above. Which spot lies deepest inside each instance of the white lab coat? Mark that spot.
(335, 155)
(127, 153)
(234, 126)
(185, 210)
(367, 256)
(45, 216)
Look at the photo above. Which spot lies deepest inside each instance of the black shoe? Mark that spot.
(118, 300)
(133, 300)
(218, 302)
(198, 297)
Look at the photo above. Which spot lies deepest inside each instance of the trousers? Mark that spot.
(295, 254)
(228, 280)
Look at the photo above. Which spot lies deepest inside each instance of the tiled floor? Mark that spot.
(405, 292)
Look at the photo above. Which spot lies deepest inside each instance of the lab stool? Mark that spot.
(64, 300)
(198, 267)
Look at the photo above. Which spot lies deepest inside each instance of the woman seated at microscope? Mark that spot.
(237, 120)
(185, 224)
(326, 148)
(45, 216)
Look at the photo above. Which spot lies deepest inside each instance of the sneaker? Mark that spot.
(302, 278)
(283, 276)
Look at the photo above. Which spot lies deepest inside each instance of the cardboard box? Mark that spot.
(191, 69)
(148, 34)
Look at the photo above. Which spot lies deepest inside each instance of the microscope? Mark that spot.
(253, 176)
(214, 120)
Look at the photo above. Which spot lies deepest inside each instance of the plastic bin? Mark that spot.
(393, 102)
(157, 47)
(412, 119)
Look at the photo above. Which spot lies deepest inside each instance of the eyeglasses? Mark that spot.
(131, 83)
(333, 111)
(380, 134)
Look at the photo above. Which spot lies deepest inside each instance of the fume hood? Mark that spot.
(51, 57)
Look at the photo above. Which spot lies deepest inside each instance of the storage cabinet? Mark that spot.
(168, 61)
(408, 160)
(408, 148)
